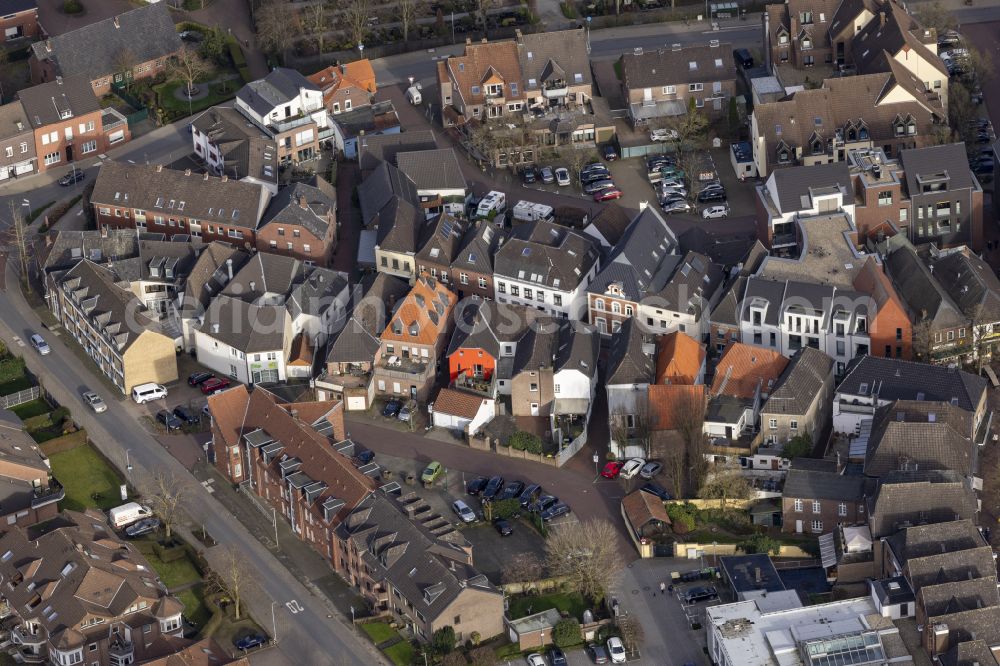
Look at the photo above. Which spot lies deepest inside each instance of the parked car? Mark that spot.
(596, 186)
(196, 378)
(698, 594)
(557, 657)
(608, 195)
(391, 409)
(463, 511)
(597, 653)
(650, 469)
(742, 58)
(362, 458)
(656, 489)
(676, 206)
(610, 152)
(511, 490)
(612, 469)
(503, 527)
(144, 526)
(617, 650)
(431, 472)
(543, 503)
(476, 486)
(73, 177)
(40, 345)
(562, 176)
(528, 176)
(594, 176)
(94, 401)
(663, 135)
(191, 36)
(214, 384)
(404, 414)
(547, 175)
(715, 212)
(171, 422)
(632, 468)
(535, 659)
(554, 511)
(493, 487)
(250, 641)
(187, 415)
(530, 494)
(711, 195)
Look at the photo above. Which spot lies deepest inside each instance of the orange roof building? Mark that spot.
(743, 368)
(680, 359)
(670, 404)
(423, 315)
(352, 81)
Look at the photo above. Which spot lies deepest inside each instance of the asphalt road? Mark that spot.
(308, 633)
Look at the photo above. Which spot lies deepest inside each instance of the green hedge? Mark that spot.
(236, 53)
(245, 74)
(33, 215)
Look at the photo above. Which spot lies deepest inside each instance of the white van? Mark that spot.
(146, 392)
(494, 201)
(126, 514)
(526, 211)
(413, 95)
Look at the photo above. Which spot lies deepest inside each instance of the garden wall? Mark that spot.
(693, 551)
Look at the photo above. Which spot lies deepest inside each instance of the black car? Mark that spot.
(593, 177)
(476, 486)
(144, 526)
(610, 152)
(554, 511)
(528, 175)
(187, 415)
(530, 494)
(196, 378)
(711, 195)
(597, 653)
(492, 488)
(743, 58)
(598, 186)
(169, 420)
(251, 641)
(543, 503)
(556, 657)
(364, 457)
(392, 408)
(503, 527)
(72, 177)
(656, 489)
(511, 490)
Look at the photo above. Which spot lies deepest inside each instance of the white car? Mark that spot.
(535, 659)
(562, 176)
(631, 468)
(94, 402)
(714, 212)
(38, 342)
(663, 135)
(464, 512)
(616, 650)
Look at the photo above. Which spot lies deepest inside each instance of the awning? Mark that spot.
(647, 110)
(570, 406)
(827, 550)
(366, 247)
(859, 445)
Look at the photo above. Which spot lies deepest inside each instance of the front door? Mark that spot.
(798, 527)
(534, 409)
(69, 153)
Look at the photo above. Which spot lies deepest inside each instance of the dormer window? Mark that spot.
(782, 38)
(806, 43)
(817, 146)
(65, 113)
(911, 127)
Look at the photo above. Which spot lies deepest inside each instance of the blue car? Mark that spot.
(251, 641)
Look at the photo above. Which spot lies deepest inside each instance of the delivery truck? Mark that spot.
(126, 514)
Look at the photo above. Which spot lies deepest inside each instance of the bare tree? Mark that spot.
(356, 14)
(189, 66)
(689, 417)
(276, 28)
(675, 466)
(316, 24)
(933, 15)
(618, 424)
(234, 577)
(689, 131)
(483, 656)
(125, 62)
(587, 555)
(409, 10)
(18, 233)
(166, 495)
(726, 486)
(522, 568)
(923, 339)
(632, 633)
(979, 328)
(482, 13)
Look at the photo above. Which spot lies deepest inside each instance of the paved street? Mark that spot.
(307, 636)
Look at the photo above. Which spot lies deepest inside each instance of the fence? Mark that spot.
(21, 397)
(490, 444)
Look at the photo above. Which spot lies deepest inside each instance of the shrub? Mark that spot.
(33, 215)
(525, 441)
(72, 6)
(443, 640)
(11, 368)
(566, 633)
(760, 543)
(58, 415)
(798, 446)
(504, 508)
(236, 53)
(568, 10)
(682, 516)
(58, 211)
(245, 74)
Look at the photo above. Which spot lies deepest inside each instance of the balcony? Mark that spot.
(21, 635)
(121, 651)
(555, 90)
(111, 119)
(478, 384)
(281, 126)
(353, 377)
(54, 492)
(851, 408)
(404, 368)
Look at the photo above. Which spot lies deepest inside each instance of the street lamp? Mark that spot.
(128, 464)
(361, 49)
(352, 616)
(274, 518)
(274, 624)
(589, 19)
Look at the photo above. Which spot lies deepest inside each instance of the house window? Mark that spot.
(533, 387)
(817, 506)
(10, 151)
(482, 283)
(306, 247)
(793, 425)
(463, 278)
(528, 293)
(515, 290)
(24, 147)
(53, 158)
(961, 332)
(89, 147)
(501, 287)
(885, 198)
(773, 424)
(842, 510)
(696, 87)
(669, 90)
(599, 305)
(817, 526)
(798, 505)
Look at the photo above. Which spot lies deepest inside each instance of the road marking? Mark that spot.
(294, 606)
(79, 212)
(18, 341)
(207, 485)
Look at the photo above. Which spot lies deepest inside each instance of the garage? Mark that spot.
(356, 403)
(462, 411)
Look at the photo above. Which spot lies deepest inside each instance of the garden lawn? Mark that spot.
(173, 574)
(195, 608)
(378, 632)
(166, 98)
(14, 385)
(35, 407)
(567, 602)
(401, 654)
(85, 475)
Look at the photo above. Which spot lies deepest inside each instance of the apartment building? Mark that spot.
(229, 145)
(31, 494)
(17, 143)
(919, 497)
(800, 402)
(301, 222)
(922, 435)
(817, 496)
(133, 45)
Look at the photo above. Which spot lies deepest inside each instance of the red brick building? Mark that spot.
(19, 19)
(301, 222)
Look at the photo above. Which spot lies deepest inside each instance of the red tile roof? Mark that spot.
(679, 359)
(641, 508)
(458, 403)
(743, 368)
(669, 403)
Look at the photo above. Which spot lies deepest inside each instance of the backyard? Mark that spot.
(400, 652)
(88, 480)
(570, 603)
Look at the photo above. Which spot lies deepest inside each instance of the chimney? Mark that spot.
(229, 268)
(643, 205)
(117, 25)
(224, 178)
(48, 46)
(253, 285)
(187, 172)
(756, 574)
(104, 231)
(206, 176)
(483, 40)
(302, 201)
(468, 40)
(343, 68)
(767, 42)
(294, 413)
(159, 168)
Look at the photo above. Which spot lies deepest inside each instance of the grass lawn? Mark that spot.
(401, 654)
(618, 69)
(13, 386)
(568, 602)
(85, 475)
(36, 407)
(378, 632)
(173, 574)
(195, 609)
(168, 101)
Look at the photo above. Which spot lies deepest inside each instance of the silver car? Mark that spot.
(464, 512)
(94, 401)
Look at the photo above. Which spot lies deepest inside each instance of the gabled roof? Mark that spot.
(560, 54)
(308, 205)
(691, 286)
(246, 150)
(970, 282)
(679, 359)
(671, 405)
(93, 50)
(383, 185)
(891, 30)
(63, 249)
(642, 260)
(923, 295)
(458, 403)
(801, 383)
(948, 160)
(896, 379)
(797, 186)
(478, 249)
(373, 150)
(358, 341)
(14, 122)
(280, 86)
(436, 169)
(811, 484)
(442, 239)
(577, 349)
(245, 326)
(728, 310)
(548, 255)
(358, 73)
(486, 59)
(919, 497)
(485, 324)
(921, 435)
(423, 315)
(49, 103)
(631, 360)
(743, 369)
(678, 66)
(611, 222)
(210, 274)
(641, 508)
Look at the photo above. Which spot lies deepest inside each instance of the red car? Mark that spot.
(608, 194)
(214, 384)
(612, 469)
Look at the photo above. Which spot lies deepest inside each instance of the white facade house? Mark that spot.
(296, 99)
(229, 145)
(786, 196)
(247, 358)
(631, 369)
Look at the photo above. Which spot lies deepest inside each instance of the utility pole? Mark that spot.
(20, 239)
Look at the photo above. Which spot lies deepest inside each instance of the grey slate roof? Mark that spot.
(536, 349)
(375, 301)
(14, 122)
(246, 150)
(611, 222)
(926, 540)
(442, 239)
(664, 67)
(210, 274)
(921, 435)
(959, 596)
(561, 54)
(692, 284)
(643, 259)
(265, 273)
(245, 326)
(45, 103)
(947, 159)
(485, 324)
(727, 310)
(923, 295)
(436, 169)
(896, 379)
(794, 185)
(547, 254)
(305, 205)
(161, 191)
(384, 184)
(69, 246)
(15, 6)
(280, 86)
(808, 484)
(372, 150)
(770, 291)
(628, 361)
(480, 245)
(800, 384)
(919, 497)
(577, 349)
(145, 33)
(970, 282)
